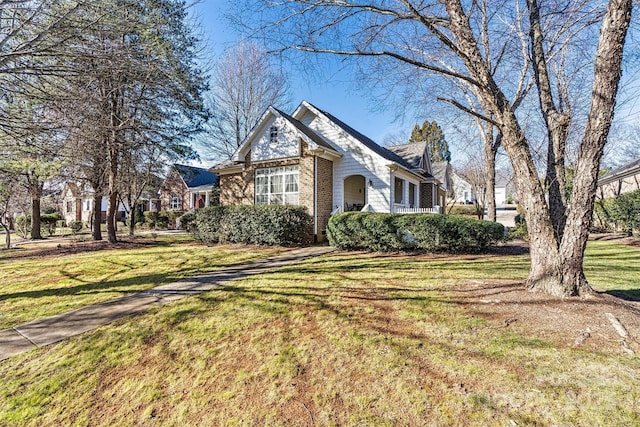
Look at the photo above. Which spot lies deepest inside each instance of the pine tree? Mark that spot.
(432, 134)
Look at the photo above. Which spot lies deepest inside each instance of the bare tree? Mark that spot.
(134, 85)
(245, 83)
(446, 39)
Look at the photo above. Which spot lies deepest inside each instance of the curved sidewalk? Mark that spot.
(49, 330)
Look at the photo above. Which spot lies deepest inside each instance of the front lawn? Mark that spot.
(47, 278)
(344, 339)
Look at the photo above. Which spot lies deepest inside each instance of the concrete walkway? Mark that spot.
(39, 333)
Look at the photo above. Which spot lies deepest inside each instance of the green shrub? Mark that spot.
(48, 223)
(76, 226)
(171, 217)
(520, 229)
(625, 211)
(260, 224)
(23, 225)
(424, 232)
(188, 221)
(150, 218)
(206, 223)
(467, 210)
(602, 215)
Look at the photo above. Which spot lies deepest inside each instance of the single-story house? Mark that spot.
(624, 179)
(313, 159)
(463, 191)
(77, 204)
(187, 188)
(505, 188)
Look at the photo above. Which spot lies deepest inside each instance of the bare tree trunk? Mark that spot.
(608, 68)
(557, 124)
(490, 174)
(113, 193)
(96, 218)
(132, 219)
(35, 215)
(7, 236)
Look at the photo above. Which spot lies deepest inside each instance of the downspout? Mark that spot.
(315, 198)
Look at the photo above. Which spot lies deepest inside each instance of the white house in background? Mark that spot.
(464, 192)
(505, 188)
(77, 204)
(313, 159)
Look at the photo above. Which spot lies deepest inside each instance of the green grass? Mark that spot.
(345, 339)
(36, 287)
(613, 267)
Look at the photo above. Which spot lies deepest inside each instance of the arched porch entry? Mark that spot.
(355, 192)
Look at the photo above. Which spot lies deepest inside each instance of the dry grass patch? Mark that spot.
(345, 339)
(49, 278)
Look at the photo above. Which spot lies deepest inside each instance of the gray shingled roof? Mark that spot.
(622, 171)
(439, 171)
(412, 153)
(196, 177)
(369, 143)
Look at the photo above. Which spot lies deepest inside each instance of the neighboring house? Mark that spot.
(505, 188)
(187, 187)
(443, 173)
(77, 204)
(463, 191)
(624, 179)
(313, 159)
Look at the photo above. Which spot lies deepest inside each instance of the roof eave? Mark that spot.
(326, 153)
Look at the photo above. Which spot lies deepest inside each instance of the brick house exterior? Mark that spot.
(188, 187)
(312, 159)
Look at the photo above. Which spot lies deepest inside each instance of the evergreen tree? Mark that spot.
(432, 134)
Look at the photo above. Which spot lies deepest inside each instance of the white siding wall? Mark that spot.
(460, 187)
(286, 146)
(501, 195)
(357, 160)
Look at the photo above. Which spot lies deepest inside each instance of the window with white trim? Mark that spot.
(277, 186)
(175, 205)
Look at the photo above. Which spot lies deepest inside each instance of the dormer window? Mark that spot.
(273, 135)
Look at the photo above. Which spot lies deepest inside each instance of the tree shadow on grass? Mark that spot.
(627, 295)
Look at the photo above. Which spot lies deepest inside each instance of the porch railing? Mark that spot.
(405, 210)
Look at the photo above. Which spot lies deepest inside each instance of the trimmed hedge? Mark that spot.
(49, 222)
(275, 225)
(465, 210)
(423, 232)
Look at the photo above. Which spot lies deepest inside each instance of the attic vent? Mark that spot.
(273, 135)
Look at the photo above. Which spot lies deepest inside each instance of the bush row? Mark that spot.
(424, 232)
(620, 212)
(252, 224)
(162, 219)
(48, 224)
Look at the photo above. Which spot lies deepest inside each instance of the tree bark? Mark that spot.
(557, 124)
(96, 218)
(490, 173)
(7, 236)
(556, 266)
(35, 216)
(608, 69)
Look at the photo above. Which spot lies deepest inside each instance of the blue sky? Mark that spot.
(332, 91)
